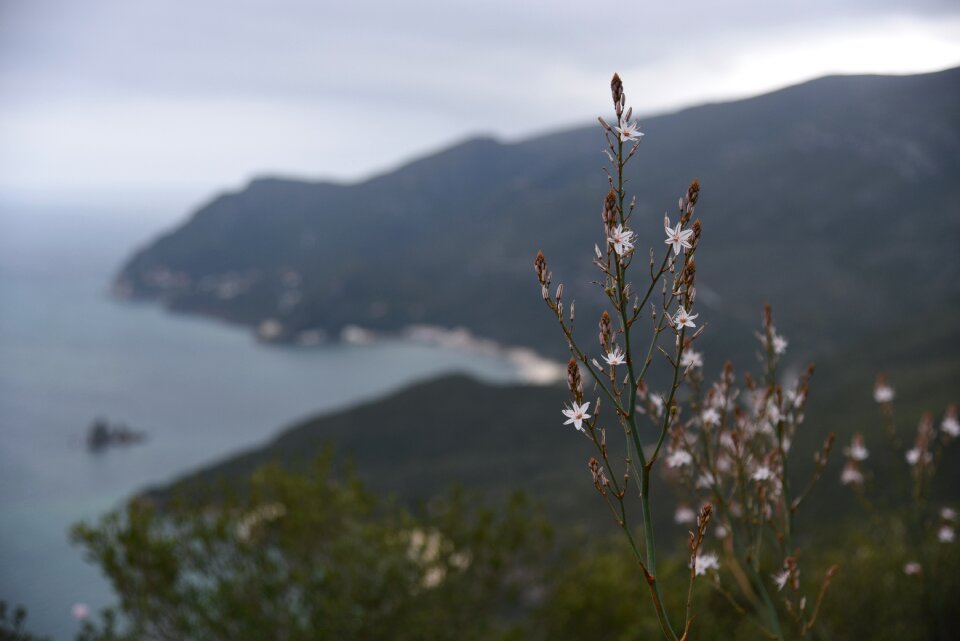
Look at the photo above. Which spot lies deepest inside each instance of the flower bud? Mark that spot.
(574, 381)
(606, 331)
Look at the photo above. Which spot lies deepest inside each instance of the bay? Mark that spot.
(200, 389)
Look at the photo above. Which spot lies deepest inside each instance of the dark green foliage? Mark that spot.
(314, 556)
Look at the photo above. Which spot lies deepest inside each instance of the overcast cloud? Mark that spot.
(121, 96)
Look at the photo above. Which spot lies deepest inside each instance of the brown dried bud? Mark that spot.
(693, 193)
(616, 90)
(574, 382)
(767, 318)
(540, 265)
(609, 212)
(606, 331)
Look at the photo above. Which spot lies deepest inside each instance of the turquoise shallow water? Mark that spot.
(201, 389)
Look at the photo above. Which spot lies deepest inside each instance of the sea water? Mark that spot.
(200, 389)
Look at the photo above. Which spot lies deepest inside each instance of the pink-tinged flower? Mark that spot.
(913, 456)
(950, 425)
(628, 130)
(677, 237)
(779, 344)
(710, 416)
(882, 393)
(80, 611)
(683, 319)
(576, 414)
(912, 568)
(946, 534)
(857, 450)
(616, 357)
(948, 514)
(851, 474)
(621, 239)
(781, 578)
(684, 515)
(762, 473)
(706, 562)
(679, 458)
(691, 359)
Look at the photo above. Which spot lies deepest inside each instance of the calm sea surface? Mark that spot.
(202, 390)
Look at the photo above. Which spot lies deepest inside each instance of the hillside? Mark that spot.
(492, 439)
(835, 200)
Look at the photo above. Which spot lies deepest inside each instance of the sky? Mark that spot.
(130, 99)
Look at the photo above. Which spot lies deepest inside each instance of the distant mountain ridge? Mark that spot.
(835, 200)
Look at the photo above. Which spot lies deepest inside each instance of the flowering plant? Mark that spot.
(729, 451)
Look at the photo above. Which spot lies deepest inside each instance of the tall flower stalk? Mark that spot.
(728, 448)
(667, 293)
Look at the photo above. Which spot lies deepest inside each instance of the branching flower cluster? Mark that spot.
(926, 522)
(731, 448)
(666, 296)
(728, 447)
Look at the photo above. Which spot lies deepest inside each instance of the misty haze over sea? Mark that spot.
(201, 390)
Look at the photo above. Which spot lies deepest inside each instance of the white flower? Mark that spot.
(621, 239)
(616, 357)
(684, 515)
(851, 475)
(762, 473)
(883, 393)
(781, 578)
(679, 458)
(779, 344)
(657, 401)
(857, 451)
(676, 237)
(951, 426)
(690, 359)
(628, 130)
(948, 514)
(912, 568)
(706, 480)
(576, 414)
(706, 562)
(684, 319)
(80, 611)
(913, 456)
(946, 534)
(710, 416)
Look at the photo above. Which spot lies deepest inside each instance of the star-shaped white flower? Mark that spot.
(679, 458)
(762, 473)
(683, 319)
(706, 562)
(684, 515)
(616, 357)
(946, 534)
(951, 426)
(710, 416)
(883, 393)
(781, 578)
(628, 130)
(576, 414)
(691, 359)
(851, 474)
(779, 345)
(857, 450)
(621, 239)
(676, 237)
